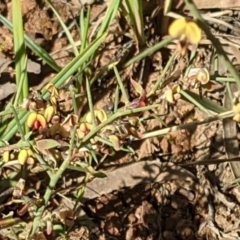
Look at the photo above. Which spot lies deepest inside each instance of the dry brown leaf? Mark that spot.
(7, 89)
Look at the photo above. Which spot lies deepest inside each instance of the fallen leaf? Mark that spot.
(7, 89)
(33, 67)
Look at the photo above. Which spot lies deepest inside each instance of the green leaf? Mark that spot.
(75, 64)
(20, 53)
(137, 87)
(115, 142)
(109, 16)
(45, 144)
(133, 11)
(202, 102)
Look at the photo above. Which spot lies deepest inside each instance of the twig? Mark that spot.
(164, 131)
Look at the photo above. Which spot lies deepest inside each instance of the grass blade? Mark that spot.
(68, 34)
(75, 64)
(148, 51)
(109, 16)
(19, 50)
(133, 10)
(40, 52)
(203, 103)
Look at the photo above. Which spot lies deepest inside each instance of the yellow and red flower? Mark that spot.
(36, 121)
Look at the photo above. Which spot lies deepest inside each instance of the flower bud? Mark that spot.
(6, 156)
(101, 115)
(49, 112)
(236, 118)
(22, 156)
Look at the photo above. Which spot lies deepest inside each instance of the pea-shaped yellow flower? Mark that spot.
(187, 32)
(49, 113)
(36, 121)
(23, 155)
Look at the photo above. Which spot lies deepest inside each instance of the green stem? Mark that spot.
(72, 93)
(90, 102)
(116, 99)
(52, 184)
(148, 51)
(113, 118)
(120, 83)
(18, 123)
(13, 127)
(160, 77)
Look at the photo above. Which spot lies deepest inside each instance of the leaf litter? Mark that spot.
(175, 202)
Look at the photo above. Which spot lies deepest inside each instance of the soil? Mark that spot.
(192, 200)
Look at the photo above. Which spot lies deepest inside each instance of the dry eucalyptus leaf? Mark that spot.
(3, 64)
(7, 89)
(33, 67)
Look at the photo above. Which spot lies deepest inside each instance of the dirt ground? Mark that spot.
(192, 201)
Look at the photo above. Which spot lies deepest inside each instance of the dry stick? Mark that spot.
(164, 131)
(216, 43)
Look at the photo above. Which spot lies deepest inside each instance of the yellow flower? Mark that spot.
(49, 113)
(170, 94)
(187, 32)
(24, 155)
(6, 156)
(236, 118)
(236, 110)
(54, 93)
(36, 121)
(203, 76)
(83, 129)
(99, 114)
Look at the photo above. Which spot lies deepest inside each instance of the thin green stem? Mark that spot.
(18, 123)
(107, 142)
(42, 162)
(72, 93)
(90, 102)
(148, 51)
(52, 184)
(160, 77)
(116, 99)
(194, 101)
(12, 127)
(190, 125)
(193, 54)
(114, 117)
(120, 83)
(9, 111)
(224, 79)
